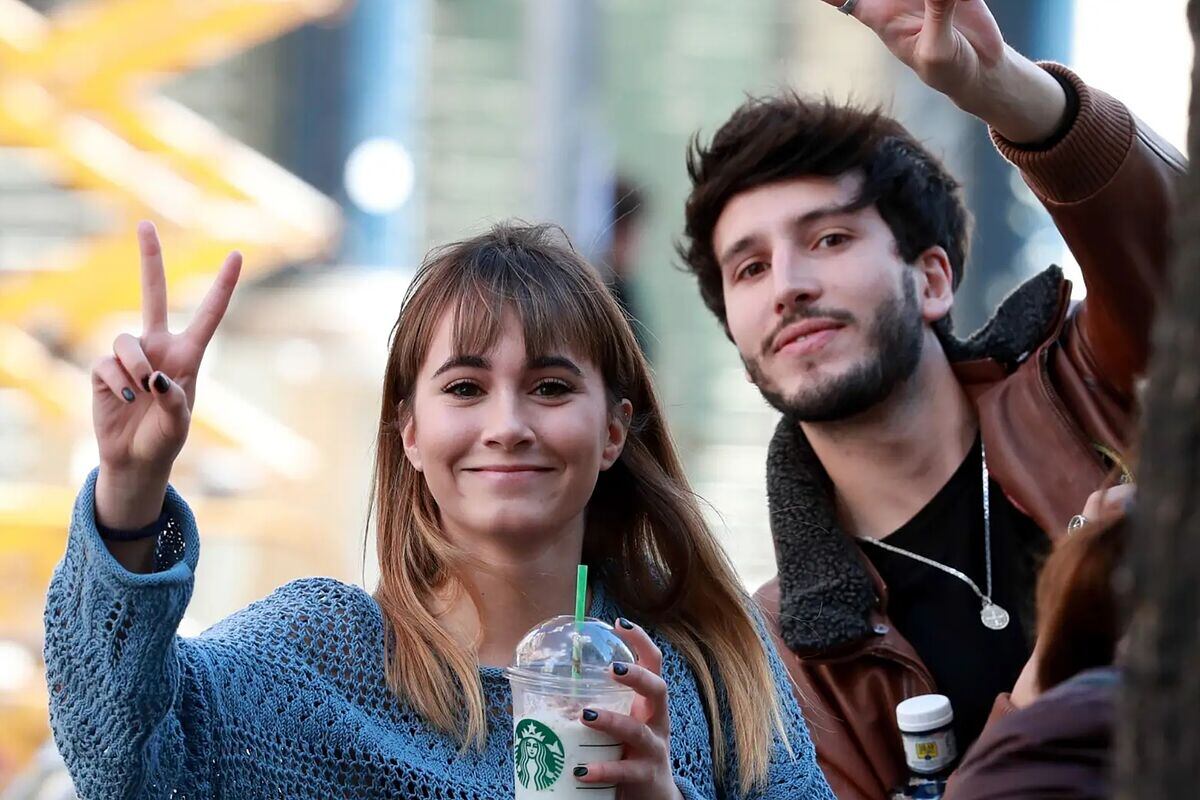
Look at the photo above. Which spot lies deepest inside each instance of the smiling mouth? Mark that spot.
(506, 469)
(806, 339)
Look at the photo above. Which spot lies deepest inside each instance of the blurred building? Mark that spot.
(334, 143)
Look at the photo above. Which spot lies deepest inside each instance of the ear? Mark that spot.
(408, 436)
(618, 431)
(935, 284)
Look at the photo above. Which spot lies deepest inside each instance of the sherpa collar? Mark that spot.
(826, 593)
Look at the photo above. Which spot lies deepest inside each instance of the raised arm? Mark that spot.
(142, 396)
(1106, 179)
(131, 705)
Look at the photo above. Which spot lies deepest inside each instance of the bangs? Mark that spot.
(558, 308)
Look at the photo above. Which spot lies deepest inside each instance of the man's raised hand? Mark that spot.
(956, 47)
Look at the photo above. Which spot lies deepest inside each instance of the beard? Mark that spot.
(894, 341)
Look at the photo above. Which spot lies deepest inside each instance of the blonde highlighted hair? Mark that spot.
(646, 540)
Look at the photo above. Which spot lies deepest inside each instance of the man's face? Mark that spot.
(822, 308)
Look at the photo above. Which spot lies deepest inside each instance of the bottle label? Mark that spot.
(930, 752)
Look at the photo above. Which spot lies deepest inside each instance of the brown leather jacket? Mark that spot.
(1053, 385)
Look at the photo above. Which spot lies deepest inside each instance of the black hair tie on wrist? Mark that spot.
(148, 532)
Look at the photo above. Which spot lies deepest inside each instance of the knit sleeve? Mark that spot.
(793, 771)
(127, 698)
(792, 774)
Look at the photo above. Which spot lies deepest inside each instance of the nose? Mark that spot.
(795, 282)
(507, 426)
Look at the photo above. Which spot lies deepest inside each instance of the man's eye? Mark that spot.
(832, 240)
(464, 389)
(553, 388)
(752, 269)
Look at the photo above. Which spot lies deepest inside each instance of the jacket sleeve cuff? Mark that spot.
(1087, 157)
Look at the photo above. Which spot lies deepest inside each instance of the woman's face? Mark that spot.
(510, 446)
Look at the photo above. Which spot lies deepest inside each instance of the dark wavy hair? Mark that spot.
(784, 137)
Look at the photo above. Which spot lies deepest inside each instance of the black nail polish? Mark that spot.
(624, 623)
(161, 384)
(580, 771)
(620, 669)
(146, 383)
(590, 715)
(127, 393)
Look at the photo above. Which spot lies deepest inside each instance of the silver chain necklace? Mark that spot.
(991, 615)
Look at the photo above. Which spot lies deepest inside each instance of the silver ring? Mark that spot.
(848, 6)
(1077, 522)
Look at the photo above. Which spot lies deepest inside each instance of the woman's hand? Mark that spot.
(1107, 505)
(644, 772)
(142, 394)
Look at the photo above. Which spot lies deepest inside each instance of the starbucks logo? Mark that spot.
(538, 755)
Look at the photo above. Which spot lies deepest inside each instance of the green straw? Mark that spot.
(580, 592)
(580, 608)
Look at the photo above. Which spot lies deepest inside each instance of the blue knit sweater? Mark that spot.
(287, 698)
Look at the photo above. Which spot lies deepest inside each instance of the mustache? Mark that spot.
(801, 313)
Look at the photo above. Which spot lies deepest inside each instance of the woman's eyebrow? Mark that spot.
(548, 362)
(476, 362)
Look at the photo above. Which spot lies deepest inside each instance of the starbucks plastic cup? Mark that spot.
(560, 668)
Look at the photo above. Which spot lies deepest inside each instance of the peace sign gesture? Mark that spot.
(142, 394)
(956, 47)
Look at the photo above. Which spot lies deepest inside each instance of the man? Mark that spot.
(915, 480)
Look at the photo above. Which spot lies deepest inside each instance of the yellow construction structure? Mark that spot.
(78, 93)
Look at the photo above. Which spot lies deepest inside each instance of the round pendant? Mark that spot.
(994, 617)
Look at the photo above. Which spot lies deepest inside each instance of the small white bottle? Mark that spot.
(927, 728)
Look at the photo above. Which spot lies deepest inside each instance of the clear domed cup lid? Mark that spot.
(563, 653)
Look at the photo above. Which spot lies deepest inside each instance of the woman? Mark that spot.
(519, 435)
(1058, 740)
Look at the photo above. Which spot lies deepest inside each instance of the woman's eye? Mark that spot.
(552, 388)
(464, 390)
(832, 240)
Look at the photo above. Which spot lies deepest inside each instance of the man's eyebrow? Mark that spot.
(831, 210)
(477, 362)
(549, 362)
(736, 249)
(805, 219)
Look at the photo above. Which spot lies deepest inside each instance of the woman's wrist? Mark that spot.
(127, 500)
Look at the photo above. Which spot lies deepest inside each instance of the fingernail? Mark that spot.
(580, 772)
(620, 669)
(161, 384)
(589, 715)
(127, 393)
(624, 623)
(146, 383)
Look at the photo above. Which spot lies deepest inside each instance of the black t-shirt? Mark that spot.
(939, 613)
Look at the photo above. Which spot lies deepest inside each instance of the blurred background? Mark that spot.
(335, 142)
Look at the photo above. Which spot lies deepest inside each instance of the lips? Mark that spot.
(508, 469)
(809, 334)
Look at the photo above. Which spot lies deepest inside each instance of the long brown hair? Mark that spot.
(646, 540)
(1079, 621)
